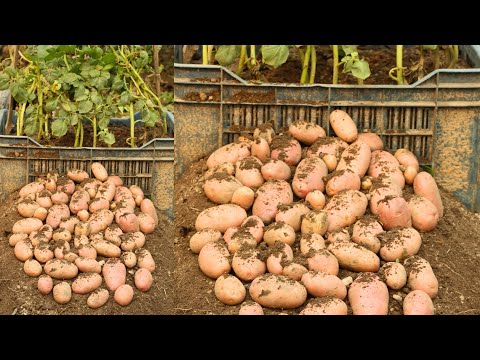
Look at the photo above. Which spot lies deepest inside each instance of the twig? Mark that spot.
(465, 311)
(448, 267)
(64, 310)
(207, 300)
(183, 309)
(165, 291)
(14, 311)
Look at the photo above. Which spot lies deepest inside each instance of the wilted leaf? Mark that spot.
(226, 54)
(274, 55)
(360, 69)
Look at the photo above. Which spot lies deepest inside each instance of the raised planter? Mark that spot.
(436, 117)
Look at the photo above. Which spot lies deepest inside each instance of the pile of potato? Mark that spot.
(295, 207)
(70, 221)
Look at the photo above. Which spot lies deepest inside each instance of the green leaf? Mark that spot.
(67, 106)
(31, 127)
(139, 105)
(107, 137)
(125, 98)
(62, 113)
(30, 109)
(96, 99)
(226, 54)
(360, 69)
(103, 122)
(10, 71)
(117, 83)
(150, 118)
(32, 96)
(108, 59)
(19, 94)
(274, 55)
(69, 78)
(74, 119)
(94, 73)
(348, 49)
(51, 105)
(105, 75)
(4, 82)
(85, 106)
(59, 128)
(108, 67)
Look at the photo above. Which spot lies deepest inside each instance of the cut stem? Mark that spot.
(306, 61)
(313, 67)
(335, 64)
(360, 81)
(132, 126)
(400, 64)
(253, 55)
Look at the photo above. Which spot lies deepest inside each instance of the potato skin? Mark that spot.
(327, 305)
(60, 269)
(220, 188)
(27, 226)
(114, 273)
(79, 201)
(145, 260)
(344, 208)
(353, 257)
(99, 171)
(243, 197)
(306, 132)
(213, 259)
(56, 214)
(406, 158)
(202, 237)
(284, 147)
(323, 260)
(32, 268)
(417, 302)
(400, 243)
(88, 265)
(276, 170)
(320, 284)
(106, 248)
(146, 223)
(311, 241)
(315, 222)
(384, 163)
(342, 180)
(98, 298)
(123, 295)
(45, 284)
(261, 149)
(309, 176)
(147, 207)
(393, 211)
(343, 126)
(365, 233)
(277, 292)
(316, 199)
(15, 238)
(421, 276)
(250, 308)
(229, 153)
(62, 293)
(247, 265)
(229, 290)
(86, 283)
(279, 231)
(368, 295)
(143, 279)
(371, 139)
(395, 275)
(27, 208)
(77, 175)
(425, 214)
(356, 158)
(23, 250)
(220, 217)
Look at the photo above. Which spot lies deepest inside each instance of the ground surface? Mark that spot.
(452, 248)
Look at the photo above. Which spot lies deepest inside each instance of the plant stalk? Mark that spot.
(132, 126)
(453, 50)
(360, 81)
(313, 67)
(335, 64)
(400, 64)
(77, 135)
(210, 53)
(253, 55)
(205, 54)
(306, 61)
(241, 62)
(94, 131)
(81, 134)
(302, 55)
(21, 114)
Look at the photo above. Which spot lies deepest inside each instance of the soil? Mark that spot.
(452, 249)
(19, 294)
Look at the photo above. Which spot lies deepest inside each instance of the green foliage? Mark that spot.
(353, 64)
(227, 54)
(275, 55)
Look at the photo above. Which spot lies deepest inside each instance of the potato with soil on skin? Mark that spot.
(123, 295)
(43, 199)
(203, 237)
(60, 252)
(80, 240)
(45, 284)
(306, 132)
(32, 268)
(276, 170)
(343, 126)
(264, 131)
(393, 211)
(60, 269)
(354, 257)
(83, 215)
(147, 207)
(27, 226)
(230, 153)
(421, 275)
(225, 168)
(87, 251)
(316, 199)
(98, 298)
(316, 222)
(410, 174)
(243, 197)
(27, 208)
(424, 185)
(114, 273)
(62, 293)
(56, 214)
(102, 219)
(382, 162)
(145, 260)
(146, 223)
(107, 191)
(70, 257)
(280, 255)
(338, 235)
(241, 238)
(98, 204)
(311, 241)
(279, 231)
(319, 284)
(229, 290)
(344, 208)
(277, 292)
(366, 183)
(322, 260)
(91, 186)
(291, 214)
(113, 234)
(23, 250)
(365, 232)
(356, 158)
(220, 217)
(284, 147)
(294, 271)
(77, 175)
(424, 213)
(247, 171)
(43, 253)
(31, 188)
(261, 149)
(327, 305)
(327, 146)
(88, 265)
(368, 295)
(99, 171)
(382, 187)
(69, 224)
(129, 259)
(86, 282)
(51, 185)
(137, 194)
(213, 259)
(395, 275)
(219, 188)
(255, 226)
(15, 238)
(106, 248)
(143, 279)
(250, 308)
(61, 234)
(65, 185)
(342, 180)
(417, 302)
(371, 139)
(309, 176)
(406, 158)
(400, 243)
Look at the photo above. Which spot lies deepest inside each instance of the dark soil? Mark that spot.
(452, 248)
(19, 294)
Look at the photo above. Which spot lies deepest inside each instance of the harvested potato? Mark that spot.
(87, 251)
(123, 295)
(384, 163)
(229, 290)
(23, 250)
(148, 208)
(129, 259)
(146, 223)
(356, 158)
(65, 185)
(395, 275)
(284, 147)
(338, 235)
(294, 271)
(418, 302)
(27, 226)
(77, 175)
(399, 243)
(368, 295)
(327, 305)
(343, 126)
(327, 146)
(280, 255)
(220, 187)
(279, 231)
(106, 248)
(319, 284)
(241, 238)
(243, 197)
(250, 308)
(27, 207)
(87, 265)
(45, 284)
(277, 292)
(354, 257)
(31, 188)
(344, 208)
(316, 199)
(306, 132)
(421, 276)
(220, 217)
(365, 232)
(99, 171)
(247, 171)
(406, 158)
(114, 273)
(15, 238)
(56, 214)
(143, 279)
(276, 170)
(393, 211)
(230, 153)
(145, 260)
(322, 260)
(425, 214)
(255, 226)
(43, 253)
(291, 214)
(86, 283)
(62, 293)
(316, 222)
(261, 149)
(309, 176)
(214, 259)
(311, 241)
(202, 237)
(269, 196)
(340, 180)
(98, 298)
(264, 131)
(32, 268)
(60, 269)
(371, 139)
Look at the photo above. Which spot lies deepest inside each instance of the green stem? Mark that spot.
(77, 135)
(302, 55)
(210, 53)
(40, 103)
(335, 64)
(453, 51)
(314, 65)
(94, 131)
(243, 56)
(21, 114)
(205, 54)
(437, 57)
(400, 64)
(81, 134)
(360, 81)
(303, 79)
(66, 62)
(132, 126)
(253, 55)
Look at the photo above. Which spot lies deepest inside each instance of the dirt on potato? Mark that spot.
(452, 249)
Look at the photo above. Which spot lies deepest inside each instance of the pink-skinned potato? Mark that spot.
(315, 221)
(395, 275)
(44, 199)
(106, 248)
(32, 268)
(424, 185)
(56, 214)
(137, 194)
(27, 226)
(382, 162)
(77, 175)
(277, 292)
(91, 186)
(338, 235)
(229, 290)
(248, 172)
(15, 238)
(62, 293)
(368, 295)
(143, 279)
(381, 188)
(284, 147)
(356, 158)
(400, 243)
(327, 146)
(320, 284)
(88, 265)
(417, 302)
(220, 188)
(410, 174)
(145, 260)
(261, 149)
(406, 158)
(322, 260)
(98, 298)
(342, 180)
(354, 257)
(343, 126)
(230, 153)
(279, 231)
(86, 283)
(225, 168)
(365, 232)
(255, 226)
(147, 207)
(277, 258)
(214, 259)
(45, 284)
(221, 217)
(62, 234)
(393, 211)
(291, 214)
(87, 251)
(276, 170)
(316, 199)
(240, 239)
(59, 197)
(309, 176)
(98, 204)
(421, 276)
(31, 188)
(79, 201)
(51, 185)
(243, 197)
(65, 185)
(146, 223)
(294, 271)
(99, 171)
(43, 253)
(83, 215)
(344, 208)
(100, 220)
(107, 191)
(60, 269)
(327, 305)
(250, 308)
(27, 208)
(311, 241)
(123, 295)
(203, 237)
(114, 273)
(371, 139)
(69, 224)
(306, 132)
(424, 213)
(264, 131)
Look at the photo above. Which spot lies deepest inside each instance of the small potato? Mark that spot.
(276, 170)
(145, 260)
(338, 235)
(331, 162)
(69, 224)
(291, 214)
(146, 223)
(226, 168)
(327, 305)
(277, 292)
(59, 197)
(60, 269)
(98, 298)
(80, 240)
(261, 149)
(99, 171)
(255, 226)
(410, 174)
(87, 251)
(316, 199)
(27, 226)
(86, 282)
(250, 308)
(247, 171)
(82, 229)
(279, 231)
(353, 257)
(393, 211)
(32, 188)
(417, 302)
(421, 276)
(77, 175)
(399, 243)
(114, 273)
(143, 279)
(116, 180)
(56, 214)
(406, 158)
(371, 139)
(137, 194)
(320, 284)
(368, 295)
(220, 187)
(123, 295)
(365, 233)
(284, 147)
(395, 275)
(32, 268)
(220, 217)
(62, 234)
(88, 265)
(294, 271)
(70, 257)
(147, 207)
(323, 260)
(213, 259)
(98, 204)
(129, 259)
(44, 199)
(112, 233)
(367, 183)
(43, 253)
(62, 293)
(202, 237)
(23, 250)
(264, 131)
(316, 222)
(424, 213)
(280, 255)
(343, 126)
(243, 197)
(241, 238)
(91, 186)
(309, 176)
(15, 238)
(106, 248)
(306, 132)
(311, 241)
(229, 290)
(45, 284)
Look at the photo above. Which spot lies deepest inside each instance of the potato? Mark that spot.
(220, 217)
(264, 131)
(143, 279)
(62, 293)
(23, 250)
(77, 175)
(280, 255)
(291, 214)
(306, 132)
(261, 149)
(61, 234)
(98, 298)
(342, 180)
(241, 238)
(145, 260)
(43, 253)
(132, 241)
(202, 237)
(417, 302)
(106, 248)
(338, 235)
(229, 290)
(102, 219)
(276, 170)
(88, 265)
(146, 223)
(82, 229)
(315, 199)
(309, 176)
(148, 208)
(129, 259)
(356, 158)
(80, 240)
(230, 153)
(137, 194)
(60, 269)
(327, 305)
(114, 273)
(365, 233)
(98, 204)
(366, 183)
(220, 187)
(250, 308)
(27, 226)
(424, 214)
(243, 197)
(279, 231)
(354, 257)
(44, 199)
(344, 208)
(284, 147)
(381, 188)
(45, 284)
(99, 171)
(343, 126)
(91, 186)
(327, 146)
(51, 185)
(113, 233)
(123, 295)
(277, 292)
(371, 139)
(56, 214)
(32, 268)
(368, 295)
(393, 211)
(27, 208)
(87, 251)
(107, 191)
(399, 243)
(70, 257)
(320, 284)
(382, 162)
(424, 185)
(247, 171)
(316, 222)
(322, 260)
(395, 275)
(294, 271)
(31, 188)
(15, 238)
(65, 185)
(421, 276)
(406, 158)
(311, 241)
(86, 282)
(214, 259)
(69, 224)
(225, 168)
(410, 174)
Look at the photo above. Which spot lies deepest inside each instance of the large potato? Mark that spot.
(214, 259)
(365, 233)
(31, 188)
(326, 146)
(269, 196)
(284, 147)
(229, 290)
(281, 255)
(203, 237)
(114, 273)
(261, 149)
(342, 180)
(311, 241)
(343, 126)
(264, 131)
(368, 295)
(107, 191)
(382, 162)
(344, 208)
(382, 187)
(309, 176)
(27, 208)
(306, 132)
(247, 264)
(221, 217)
(77, 175)
(291, 214)
(424, 185)
(277, 292)
(356, 158)
(400, 243)
(417, 302)
(27, 226)
(56, 214)
(248, 172)
(393, 211)
(100, 220)
(276, 170)
(60, 269)
(327, 305)
(230, 153)
(99, 171)
(86, 282)
(421, 276)
(371, 139)
(220, 188)
(321, 284)
(353, 257)
(322, 260)
(243, 197)
(424, 213)
(255, 226)
(406, 158)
